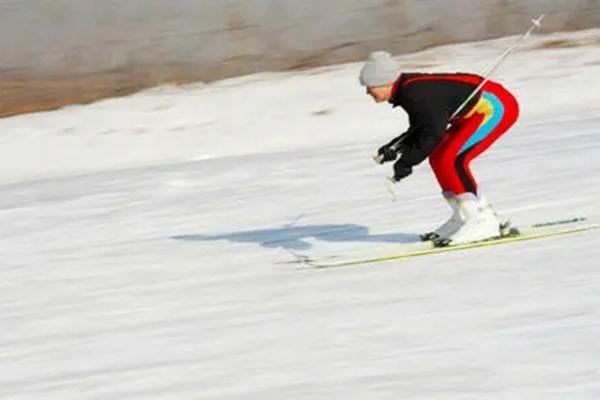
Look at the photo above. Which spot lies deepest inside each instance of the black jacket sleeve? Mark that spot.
(428, 122)
(404, 138)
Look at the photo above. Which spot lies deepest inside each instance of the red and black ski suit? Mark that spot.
(430, 100)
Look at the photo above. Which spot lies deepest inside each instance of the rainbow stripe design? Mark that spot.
(492, 108)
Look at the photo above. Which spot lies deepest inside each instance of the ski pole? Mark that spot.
(490, 70)
(487, 75)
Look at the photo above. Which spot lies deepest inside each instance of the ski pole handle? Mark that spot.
(379, 158)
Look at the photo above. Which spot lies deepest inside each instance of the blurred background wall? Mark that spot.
(58, 51)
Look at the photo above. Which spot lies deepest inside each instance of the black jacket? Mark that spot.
(430, 100)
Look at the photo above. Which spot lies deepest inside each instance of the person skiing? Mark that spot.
(430, 100)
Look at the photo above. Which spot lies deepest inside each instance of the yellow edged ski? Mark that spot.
(541, 231)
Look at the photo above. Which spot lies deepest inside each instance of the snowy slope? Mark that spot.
(145, 244)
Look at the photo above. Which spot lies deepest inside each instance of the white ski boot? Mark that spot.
(481, 222)
(451, 225)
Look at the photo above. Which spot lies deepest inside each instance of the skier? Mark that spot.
(430, 100)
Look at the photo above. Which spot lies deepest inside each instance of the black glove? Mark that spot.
(401, 170)
(387, 152)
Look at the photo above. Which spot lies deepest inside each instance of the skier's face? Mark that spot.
(380, 93)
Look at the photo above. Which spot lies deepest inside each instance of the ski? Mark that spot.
(411, 250)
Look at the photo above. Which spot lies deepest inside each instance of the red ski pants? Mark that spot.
(495, 112)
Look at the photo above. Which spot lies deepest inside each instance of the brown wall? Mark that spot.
(54, 52)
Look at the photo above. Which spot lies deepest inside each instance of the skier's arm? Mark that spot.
(401, 139)
(428, 124)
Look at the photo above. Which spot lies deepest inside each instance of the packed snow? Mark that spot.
(147, 243)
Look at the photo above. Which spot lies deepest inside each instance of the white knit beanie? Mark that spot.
(379, 70)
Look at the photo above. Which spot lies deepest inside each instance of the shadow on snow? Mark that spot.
(295, 237)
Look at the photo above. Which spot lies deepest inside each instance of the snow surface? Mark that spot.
(145, 243)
